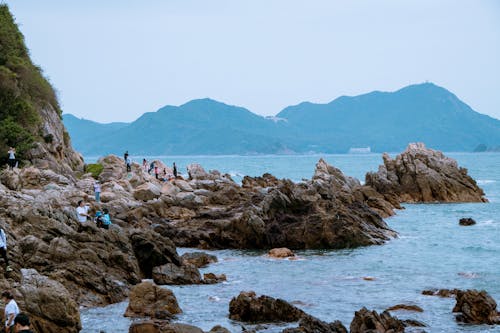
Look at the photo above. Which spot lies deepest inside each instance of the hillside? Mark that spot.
(384, 121)
(30, 116)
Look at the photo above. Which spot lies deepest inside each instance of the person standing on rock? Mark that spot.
(175, 171)
(12, 157)
(11, 311)
(82, 211)
(22, 323)
(156, 172)
(151, 167)
(3, 250)
(97, 191)
(129, 164)
(106, 220)
(145, 165)
(125, 157)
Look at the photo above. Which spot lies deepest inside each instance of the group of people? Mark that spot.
(164, 175)
(101, 218)
(15, 320)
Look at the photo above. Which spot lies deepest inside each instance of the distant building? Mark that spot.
(361, 150)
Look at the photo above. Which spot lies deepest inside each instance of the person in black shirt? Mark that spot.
(22, 323)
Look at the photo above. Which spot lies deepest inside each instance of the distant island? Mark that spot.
(383, 121)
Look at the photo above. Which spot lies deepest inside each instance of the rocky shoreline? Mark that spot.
(82, 265)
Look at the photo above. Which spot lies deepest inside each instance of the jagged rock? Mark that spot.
(48, 303)
(146, 192)
(211, 278)
(247, 307)
(476, 307)
(114, 168)
(152, 249)
(371, 322)
(466, 221)
(173, 274)
(219, 329)
(405, 307)
(148, 300)
(196, 171)
(309, 324)
(198, 259)
(281, 252)
(420, 174)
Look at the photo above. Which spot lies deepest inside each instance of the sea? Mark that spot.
(431, 251)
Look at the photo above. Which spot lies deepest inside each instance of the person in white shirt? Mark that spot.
(11, 310)
(3, 250)
(12, 157)
(82, 211)
(97, 191)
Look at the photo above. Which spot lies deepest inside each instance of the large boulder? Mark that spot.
(151, 250)
(173, 274)
(466, 221)
(247, 307)
(49, 304)
(114, 168)
(146, 192)
(281, 252)
(198, 259)
(371, 322)
(148, 300)
(476, 307)
(420, 174)
(150, 326)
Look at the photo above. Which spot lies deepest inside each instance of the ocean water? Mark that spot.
(432, 251)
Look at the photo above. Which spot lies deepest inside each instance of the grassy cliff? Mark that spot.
(23, 92)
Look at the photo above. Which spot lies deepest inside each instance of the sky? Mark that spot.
(114, 60)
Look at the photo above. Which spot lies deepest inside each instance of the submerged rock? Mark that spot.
(247, 307)
(309, 324)
(466, 221)
(420, 174)
(155, 326)
(476, 307)
(148, 300)
(281, 252)
(441, 292)
(405, 307)
(211, 278)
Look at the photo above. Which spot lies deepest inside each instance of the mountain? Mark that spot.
(384, 121)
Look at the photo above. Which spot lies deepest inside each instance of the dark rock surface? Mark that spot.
(148, 300)
(366, 321)
(476, 307)
(173, 274)
(198, 259)
(466, 221)
(309, 324)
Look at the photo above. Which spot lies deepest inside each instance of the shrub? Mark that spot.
(95, 169)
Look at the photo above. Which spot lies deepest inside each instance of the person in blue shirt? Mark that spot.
(106, 220)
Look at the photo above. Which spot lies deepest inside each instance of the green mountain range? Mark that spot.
(384, 121)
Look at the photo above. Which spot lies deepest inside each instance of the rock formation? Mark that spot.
(281, 252)
(309, 324)
(476, 307)
(198, 259)
(149, 300)
(420, 174)
(370, 321)
(466, 221)
(247, 307)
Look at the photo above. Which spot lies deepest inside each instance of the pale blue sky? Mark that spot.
(116, 59)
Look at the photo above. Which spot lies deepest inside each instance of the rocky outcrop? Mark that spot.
(370, 321)
(441, 292)
(466, 221)
(173, 274)
(198, 259)
(476, 307)
(50, 305)
(211, 278)
(321, 213)
(309, 324)
(247, 307)
(155, 326)
(405, 307)
(281, 252)
(420, 174)
(148, 300)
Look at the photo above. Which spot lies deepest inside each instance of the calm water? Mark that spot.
(431, 252)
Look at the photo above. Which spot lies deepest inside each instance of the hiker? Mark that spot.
(151, 167)
(22, 323)
(145, 165)
(3, 250)
(129, 164)
(106, 220)
(12, 158)
(82, 211)
(97, 191)
(175, 171)
(125, 156)
(156, 172)
(11, 310)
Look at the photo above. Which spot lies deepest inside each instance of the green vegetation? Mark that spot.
(94, 169)
(23, 91)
